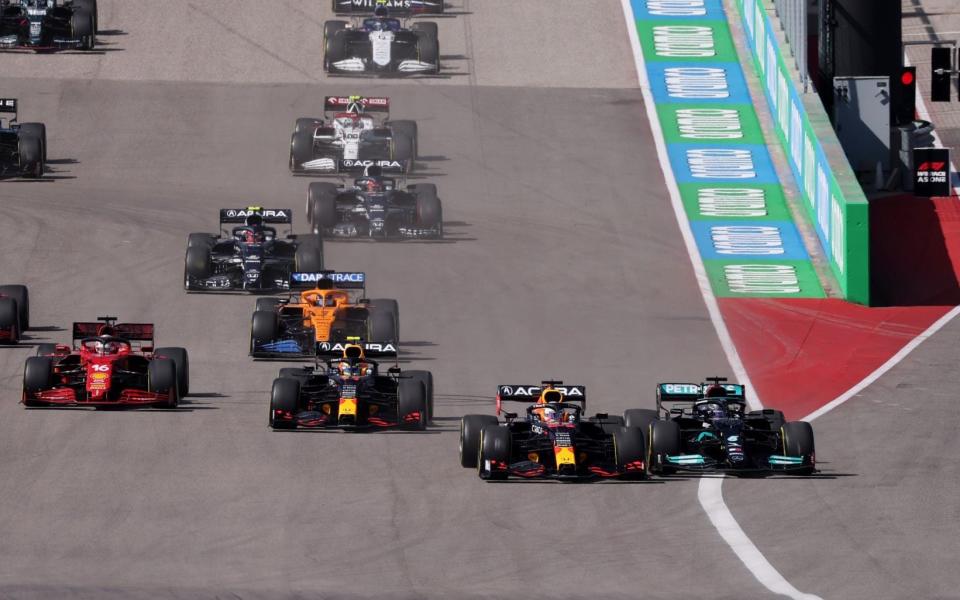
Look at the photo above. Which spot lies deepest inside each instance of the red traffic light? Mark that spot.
(907, 77)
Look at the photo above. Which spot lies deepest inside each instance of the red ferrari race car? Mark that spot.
(14, 313)
(109, 364)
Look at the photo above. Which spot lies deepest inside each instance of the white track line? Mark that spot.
(710, 492)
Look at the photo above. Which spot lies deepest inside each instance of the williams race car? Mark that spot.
(250, 256)
(351, 393)
(554, 439)
(109, 364)
(397, 7)
(375, 208)
(355, 133)
(14, 313)
(48, 24)
(706, 427)
(380, 45)
(23, 146)
(321, 319)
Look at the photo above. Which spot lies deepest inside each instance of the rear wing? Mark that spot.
(361, 166)
(356, 104)
(676, 395)
(530, 393)
(343, 280)
(270, 215)
(131, 332)
(371, 349)
(402, 8)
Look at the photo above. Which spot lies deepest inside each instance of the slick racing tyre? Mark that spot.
(22, 296)
(641, 418)
(322, 205)
(201, 240)
(428, 46)
(285, 400)
(426, 378)
(39, 130)
(631, 448)
(30, 147)
(798, 443)
(429, 210)
(46, 349)
(470, 428)
(381, 327)
(407, 129)
(301, 149)
(162, 379)
(391, 306)
(91, 7)
(306, 124)
(774, 418)
(264, 328)
(664, 441)
(9, 319)
(308, 257)
(181, 360)
(83, 28)
(412, 399)
(494, 452)
(334, 47)
(37, 376)
(197, 262)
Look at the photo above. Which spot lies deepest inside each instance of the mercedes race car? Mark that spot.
(250, 256)
(109, 364)
(320, 320)
(23, 146)
(375, 207)
(404, 8)
(351, 393)
(706, 427)
(380, 45)
(14, 313)
(355, 133)
(553, 440)
(47, 25)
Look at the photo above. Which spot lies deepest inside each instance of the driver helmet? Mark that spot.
(716, 391)
(373, 185)
(549, 414)
(381, 11)
(254, 233)
(709, 411)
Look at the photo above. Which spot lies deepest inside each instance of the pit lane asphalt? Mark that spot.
(563, 259)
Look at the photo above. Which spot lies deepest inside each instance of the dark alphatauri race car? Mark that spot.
(250, 256)
(397, 7)
(380, 45)
(554, 439)
(707, 427)
(14, 313)
(109, 364)
(23, 146)
(355, 133)
(351, 393)
(319, 321)
(375, 207)
(48, 24)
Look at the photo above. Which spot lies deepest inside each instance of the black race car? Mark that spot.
(380, 45)
(355, 133)
(707, 427)
(317, 321)
(553, 440)
(396, 7)
(14, 313)
(249, 256)
(23, 146)
(351, 393)
(48, 24)
(375, 208)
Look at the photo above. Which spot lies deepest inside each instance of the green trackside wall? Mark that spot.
(831, 194)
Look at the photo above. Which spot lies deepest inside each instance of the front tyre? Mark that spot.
(284, 403)
(471, 427)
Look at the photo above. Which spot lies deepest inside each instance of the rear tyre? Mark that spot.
(429, 210)
(39, 130)
(22, 296)
(9, 319)
(381, 327)
(407, 129)
(641, 418)
(798, 442)
(264, 328)
(30, 147)
(162, 379)
(631, 448)
(664, 441)
(181, 360)
(284, 399)
(412, 399)
(197, 262)
(391, 306)
(426, 378)
(470, 428)
(322, 205)
(308, 257)
(494, 449)
(402, 149)
(37, 376)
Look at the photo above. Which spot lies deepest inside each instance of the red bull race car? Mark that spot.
(553, 440)
(109, 364)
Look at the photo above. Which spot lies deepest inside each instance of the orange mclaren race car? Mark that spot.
(350, 392)
(554, 439)
(317, 321)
